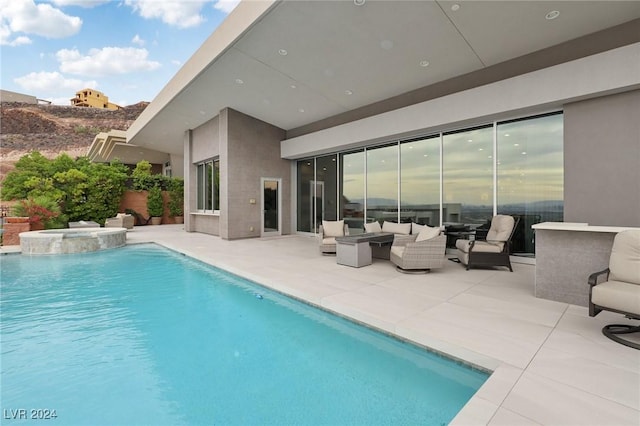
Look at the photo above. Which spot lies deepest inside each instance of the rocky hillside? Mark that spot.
(54, 129)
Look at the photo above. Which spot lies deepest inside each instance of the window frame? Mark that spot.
(206, 203)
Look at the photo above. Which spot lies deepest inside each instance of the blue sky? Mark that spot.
(127, 49)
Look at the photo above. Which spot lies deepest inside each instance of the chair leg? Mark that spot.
(612, 331)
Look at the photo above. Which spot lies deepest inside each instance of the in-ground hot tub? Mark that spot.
(66, 241)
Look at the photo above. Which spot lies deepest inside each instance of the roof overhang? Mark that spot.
(108, 146)
(293, 63)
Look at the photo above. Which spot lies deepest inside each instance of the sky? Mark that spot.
(127, 49)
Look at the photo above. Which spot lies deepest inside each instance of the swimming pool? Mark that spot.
(143, 335)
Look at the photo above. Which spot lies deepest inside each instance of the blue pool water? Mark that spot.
(143, 335)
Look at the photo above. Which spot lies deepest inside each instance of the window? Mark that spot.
(208, 186)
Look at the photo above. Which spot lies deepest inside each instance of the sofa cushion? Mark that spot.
(372, 227)
(333, 228)
(624, 263)
(329, 241)
(427, 233)
(396, 228)
(397, 250)
(501, 227)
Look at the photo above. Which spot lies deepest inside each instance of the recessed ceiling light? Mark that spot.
(455, 7)
(469, 140)
(239, 81)
(202, 113)
(300, 109)
(348, 92)
(293, 86)
(524, 152)
(507, 134)
(282, 52)
(386, 44)
(424, 64)
(552, 15)
(358, 2)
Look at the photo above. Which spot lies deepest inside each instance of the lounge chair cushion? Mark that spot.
(333, 228)
(617, 295)
(479, 246)
(624, 263)
(427, 233)
(372, 227)
(328, 240)
(396, 228)
(501, 227)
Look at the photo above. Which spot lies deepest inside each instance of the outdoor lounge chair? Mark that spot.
(122, 220)
(139, 219)
(621, 291)
(328, 232)
(492, 252)
(419, 253)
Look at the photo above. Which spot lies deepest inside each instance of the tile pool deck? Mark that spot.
(551, 363)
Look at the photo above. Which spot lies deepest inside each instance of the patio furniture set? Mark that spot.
(414, 248)
(417, 248)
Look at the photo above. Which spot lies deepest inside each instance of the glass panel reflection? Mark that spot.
(530, 175)
(326, 191)
(305, 201)
(468, 176)
(382, 184)
(420, 181)
(352, 189)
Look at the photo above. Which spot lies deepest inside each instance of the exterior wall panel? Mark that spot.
(253, 151)
(602, 160)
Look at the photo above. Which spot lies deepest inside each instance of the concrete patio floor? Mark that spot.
(551, 364)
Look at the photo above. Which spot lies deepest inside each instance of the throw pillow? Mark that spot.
(427, 233)
(333, 228)
(396, 228)
(416, 228)
(372, 227)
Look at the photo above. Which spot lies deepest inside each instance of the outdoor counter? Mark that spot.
(566, 254)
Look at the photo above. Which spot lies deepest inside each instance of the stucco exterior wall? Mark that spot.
(250, 151)
(201, 143)
(602, 160)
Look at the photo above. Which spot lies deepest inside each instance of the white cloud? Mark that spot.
(81, 3)
(226, 6)
(42, 19)
(176, 62)
(44, 82)
(105, 61)
(137, 40)
(181, 14)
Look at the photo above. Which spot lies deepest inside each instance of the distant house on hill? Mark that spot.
(90, 98)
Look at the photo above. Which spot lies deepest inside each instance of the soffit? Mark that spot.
(340, 56)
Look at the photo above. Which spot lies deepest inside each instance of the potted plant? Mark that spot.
(155, 205)
(176, 200)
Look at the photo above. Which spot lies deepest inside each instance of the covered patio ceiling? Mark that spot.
(293, 63)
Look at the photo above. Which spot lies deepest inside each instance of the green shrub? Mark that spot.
(155, 203)
(176, 197)
(82, 190)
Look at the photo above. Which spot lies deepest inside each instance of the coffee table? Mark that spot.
(355, 250)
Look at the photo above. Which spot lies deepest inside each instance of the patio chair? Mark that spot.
(419, 253)
(327, 233)
(621, 291)
(139, 219)
(122, 220)
(495, 250)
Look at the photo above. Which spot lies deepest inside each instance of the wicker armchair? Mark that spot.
(414, 256)
(121, 220)
(327, 234)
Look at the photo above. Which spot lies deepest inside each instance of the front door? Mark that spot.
(271, 208)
